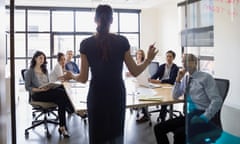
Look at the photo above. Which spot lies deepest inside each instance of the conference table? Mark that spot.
(136, 95)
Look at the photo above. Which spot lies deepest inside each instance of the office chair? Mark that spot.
(211, 136)
(41, 109)
(152, 68)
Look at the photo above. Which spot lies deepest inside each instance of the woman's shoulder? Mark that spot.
(29, 73)
(119, 37)
(90, 38)
(30, 70)
(87, 41)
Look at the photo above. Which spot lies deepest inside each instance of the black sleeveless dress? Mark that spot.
(106, 100)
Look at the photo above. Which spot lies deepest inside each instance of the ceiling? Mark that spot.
(131, 4)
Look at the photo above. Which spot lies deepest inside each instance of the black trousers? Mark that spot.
(58, 96)
(176, 125)
(162, 114)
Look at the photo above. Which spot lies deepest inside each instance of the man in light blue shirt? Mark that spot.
(203, 101)
(202, 93)
(70, 65)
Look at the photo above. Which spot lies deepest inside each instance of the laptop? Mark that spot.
(142, 80)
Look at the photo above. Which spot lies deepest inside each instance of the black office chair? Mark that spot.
(211, 136)
(41, 109)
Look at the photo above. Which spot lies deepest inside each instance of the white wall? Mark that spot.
(227, 46)
(169, 38)
(160, 25)
(148, 28)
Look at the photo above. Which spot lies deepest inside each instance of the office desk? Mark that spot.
(77, 94)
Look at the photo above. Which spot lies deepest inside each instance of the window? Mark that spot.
(40, 42)
(19, 20)
(20, 45)
(129, 22)
(79, 39)
(133, 41)
(85, 22)
(38, 21)
(62, 43)
(114, 25)
(62, 21)
(58, 29)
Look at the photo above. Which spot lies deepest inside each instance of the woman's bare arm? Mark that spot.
(135, 69)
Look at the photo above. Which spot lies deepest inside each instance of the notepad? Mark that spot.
(51, 85)
(150, 98)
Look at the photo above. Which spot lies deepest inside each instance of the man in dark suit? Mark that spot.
(166, 73)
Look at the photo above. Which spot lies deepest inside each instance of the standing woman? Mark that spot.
(36, 76)
(105, 53)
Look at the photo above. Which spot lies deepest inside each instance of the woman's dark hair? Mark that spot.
(104, 18)
(33, 61)
(59, 55)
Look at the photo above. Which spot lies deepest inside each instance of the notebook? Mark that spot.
(150, 98)
(142, 80)
(51, 85)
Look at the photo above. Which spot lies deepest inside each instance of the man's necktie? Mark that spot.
(186, 94)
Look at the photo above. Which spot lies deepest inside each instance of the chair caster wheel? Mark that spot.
(48, 135)
(26, 134)
(137, 115)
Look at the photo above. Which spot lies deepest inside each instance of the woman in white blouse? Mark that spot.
(58, 70)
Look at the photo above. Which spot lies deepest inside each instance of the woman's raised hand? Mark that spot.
(152, 51)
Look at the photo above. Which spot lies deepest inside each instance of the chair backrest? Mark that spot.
(23, 72)
(223, 87)
(153, 67)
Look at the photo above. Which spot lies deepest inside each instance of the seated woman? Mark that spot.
(36, 76)
(140, 57)
(58, 69)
